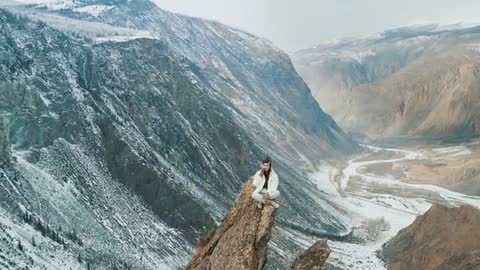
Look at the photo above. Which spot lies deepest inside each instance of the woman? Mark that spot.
(266, 183)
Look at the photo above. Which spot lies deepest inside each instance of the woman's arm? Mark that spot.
(273, 182)
(256, 178)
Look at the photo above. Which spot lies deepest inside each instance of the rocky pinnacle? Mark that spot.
(240, 242)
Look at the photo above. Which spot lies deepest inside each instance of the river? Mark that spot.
(381, 200)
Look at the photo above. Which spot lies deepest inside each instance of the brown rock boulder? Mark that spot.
(313, 258)
(241, 240)
(443, 238)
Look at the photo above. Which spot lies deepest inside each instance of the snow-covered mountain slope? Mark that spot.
(140, 146)
(396, 83)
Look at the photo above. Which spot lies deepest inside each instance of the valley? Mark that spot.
(384, 190)
(127, 131)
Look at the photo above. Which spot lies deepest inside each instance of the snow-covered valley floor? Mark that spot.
(381, 205)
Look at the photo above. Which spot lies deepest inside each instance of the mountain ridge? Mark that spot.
(137, 128)
(376, 86)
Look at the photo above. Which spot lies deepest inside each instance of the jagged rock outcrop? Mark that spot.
(313, 258)
(241, 241)
(443, 238)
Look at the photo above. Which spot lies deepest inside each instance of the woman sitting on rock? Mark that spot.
(266, 183)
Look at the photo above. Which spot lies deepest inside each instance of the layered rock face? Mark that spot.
(406, 82)
(443, 238)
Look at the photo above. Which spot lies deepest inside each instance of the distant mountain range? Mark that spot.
(126, 132)
(412, 81)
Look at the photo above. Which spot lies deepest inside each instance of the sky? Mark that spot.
(298, 24)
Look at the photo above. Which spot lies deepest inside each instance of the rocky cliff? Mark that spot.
(241, 241)
(443, 238)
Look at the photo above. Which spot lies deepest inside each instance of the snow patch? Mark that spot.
(475, 47)
(94, 10)
(323, 178)
(138, 35)
(57, 5)
(44, 99)
(453, 150)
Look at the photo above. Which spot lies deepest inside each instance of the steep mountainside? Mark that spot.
(443, 238)
(419, 81)
(128, 140)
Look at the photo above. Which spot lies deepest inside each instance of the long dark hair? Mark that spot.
(266, 174)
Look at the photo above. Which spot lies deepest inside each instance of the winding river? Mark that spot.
(367, 197)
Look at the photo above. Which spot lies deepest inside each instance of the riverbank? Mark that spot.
(382, 198)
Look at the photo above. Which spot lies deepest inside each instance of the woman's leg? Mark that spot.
(273, 194)
(257, 196)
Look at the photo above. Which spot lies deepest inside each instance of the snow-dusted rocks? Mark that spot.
(313, 258)
(148, 141)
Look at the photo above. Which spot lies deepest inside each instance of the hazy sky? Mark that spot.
(296, 24)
